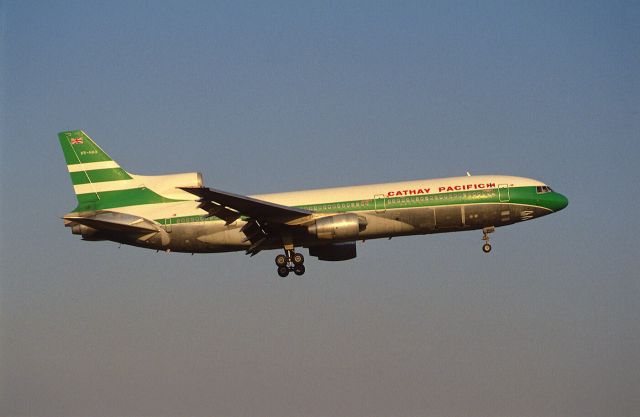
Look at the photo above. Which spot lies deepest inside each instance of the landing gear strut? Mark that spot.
(486, 248)
(290, 261)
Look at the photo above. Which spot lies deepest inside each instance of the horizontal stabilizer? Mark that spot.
(116, 222)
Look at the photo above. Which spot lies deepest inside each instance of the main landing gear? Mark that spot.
(290, 261)
(486, 248)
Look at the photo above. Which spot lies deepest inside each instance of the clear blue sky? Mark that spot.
(278, 96)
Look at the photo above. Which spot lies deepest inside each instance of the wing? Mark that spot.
(265, 219)
(221, 203)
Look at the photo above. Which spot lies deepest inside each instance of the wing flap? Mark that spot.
(215, 209)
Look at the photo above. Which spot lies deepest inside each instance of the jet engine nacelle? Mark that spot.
(87, 233)
(341, 226)
(334, 252)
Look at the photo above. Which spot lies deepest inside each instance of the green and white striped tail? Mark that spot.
(98, 181)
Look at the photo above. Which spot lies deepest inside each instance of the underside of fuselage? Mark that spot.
(216, 236)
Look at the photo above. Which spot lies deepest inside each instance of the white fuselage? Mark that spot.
(390, 209)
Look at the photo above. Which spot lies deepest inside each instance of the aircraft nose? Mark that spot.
(558, 202)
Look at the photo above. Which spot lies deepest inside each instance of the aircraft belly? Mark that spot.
(483, 215)
(477, 216)
(217, 237)
(214, 237)
(442, 219)
(449, 217)
(398, 222)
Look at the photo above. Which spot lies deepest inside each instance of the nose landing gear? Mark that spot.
(486, 248)
(290, 261)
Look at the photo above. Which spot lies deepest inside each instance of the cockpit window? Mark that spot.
(541, 189)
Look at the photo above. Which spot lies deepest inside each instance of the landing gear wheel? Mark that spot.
(281, 261)
(290, 262)
(283, 271)
(297, 259)
(486, 248)
(298, 269)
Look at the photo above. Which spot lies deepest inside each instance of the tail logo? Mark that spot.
(76, 141)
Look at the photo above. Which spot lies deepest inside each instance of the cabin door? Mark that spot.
(380, 203)
(503, 193)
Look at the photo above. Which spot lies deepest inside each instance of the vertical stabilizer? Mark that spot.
(98, 181)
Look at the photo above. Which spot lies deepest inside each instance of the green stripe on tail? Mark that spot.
(91, 170)
(99, 175)
(78, 148)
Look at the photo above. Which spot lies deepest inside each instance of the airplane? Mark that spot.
(177, 213)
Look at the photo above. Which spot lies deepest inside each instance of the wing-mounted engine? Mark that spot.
(338, 227)
(334, 252)
(103, 225)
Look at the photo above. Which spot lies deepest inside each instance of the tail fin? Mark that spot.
(98, 181)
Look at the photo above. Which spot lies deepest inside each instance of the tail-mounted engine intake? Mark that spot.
(87, 233)
(341, 226)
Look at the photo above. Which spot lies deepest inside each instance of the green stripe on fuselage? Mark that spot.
(408, 201)
(517, 195)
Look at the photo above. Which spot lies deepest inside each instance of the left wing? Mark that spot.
(265, 219)
(115, 222)
(232, 206)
